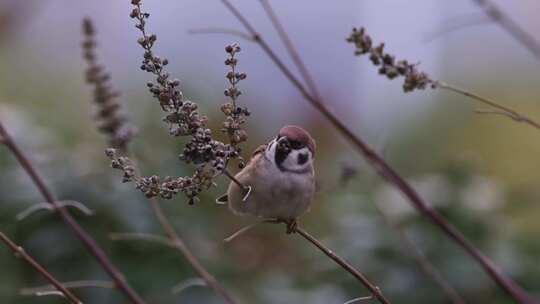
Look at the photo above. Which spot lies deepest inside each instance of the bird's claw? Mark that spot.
(247, 192)
(292, 225)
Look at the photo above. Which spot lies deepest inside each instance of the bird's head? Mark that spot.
(292, 150)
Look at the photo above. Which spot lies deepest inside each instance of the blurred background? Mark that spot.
(480, 171)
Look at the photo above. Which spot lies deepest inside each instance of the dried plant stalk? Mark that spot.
(110, 121)
(418, 80)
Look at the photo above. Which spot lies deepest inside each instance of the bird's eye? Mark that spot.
(296, 144)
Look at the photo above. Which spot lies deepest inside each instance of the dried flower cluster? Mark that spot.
(167, 187)
(235, 115)
(111, 122)
(387, 63)
(182, 116)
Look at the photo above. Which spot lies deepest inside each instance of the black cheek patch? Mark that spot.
(280, 157)
(302, 158)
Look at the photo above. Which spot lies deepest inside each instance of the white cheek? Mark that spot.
(291, 162)
(270, 152)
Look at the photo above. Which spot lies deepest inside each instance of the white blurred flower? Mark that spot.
(435, 189)
(482, 194)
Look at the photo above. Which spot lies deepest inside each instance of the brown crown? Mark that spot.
(298, 134)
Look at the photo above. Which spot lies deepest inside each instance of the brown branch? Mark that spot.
(173, 240)
(84, 237)
(427, 267)
(388, 173)
(19, 251)
(177, 243)
(344, 264)
(295, 56)
(340, 261)
(510, 26)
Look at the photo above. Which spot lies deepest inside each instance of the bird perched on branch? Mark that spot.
(279, 180)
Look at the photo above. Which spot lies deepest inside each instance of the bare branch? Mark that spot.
(240, 232)
(340, 261)
(501, 109)
(289, 45)
(176, 242)
(32, 291)
(180, 287)
(510, 26)
(85, 238)
(497, 112)
(219, 30)
(19, 251)
(344, 264)
(356, 300)
(429, 269)
(173, 240)
(46, 206)
(455, 24)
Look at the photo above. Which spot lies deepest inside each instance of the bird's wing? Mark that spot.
(223, 199)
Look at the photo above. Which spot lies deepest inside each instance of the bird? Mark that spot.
(278, 182)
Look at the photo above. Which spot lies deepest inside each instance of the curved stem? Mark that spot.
(509, 25)
(177, 243)
(344, 264)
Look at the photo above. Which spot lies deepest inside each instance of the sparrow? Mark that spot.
(278, 181)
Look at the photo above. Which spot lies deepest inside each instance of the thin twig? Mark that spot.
(187, 284)
(234, 180)
(219, 30)
(177, 243)
(85, 238)
(356, 300)
(388, 173)
(46, 206)
(17, 250)
(429, 269)
(344, 264)
(510, 26)
(455, 24)
(414, 79)
(496, 112)
(30, 291)
(295, 56)
(507, 111)
(246, 190)
(340, 261)
(240, 232)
